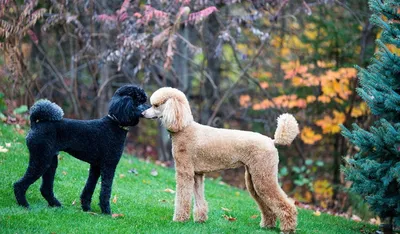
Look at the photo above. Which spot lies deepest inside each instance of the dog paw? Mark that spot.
(270, 223)
(180, 218)
(55, 203)
(288, 232)
(200, 217)
(106, 211)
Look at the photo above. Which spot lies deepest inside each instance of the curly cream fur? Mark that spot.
(287, 129)
(198, 149)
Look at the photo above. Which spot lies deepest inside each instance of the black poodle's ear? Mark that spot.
(123, 110)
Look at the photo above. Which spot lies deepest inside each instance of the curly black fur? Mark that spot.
(99, 142)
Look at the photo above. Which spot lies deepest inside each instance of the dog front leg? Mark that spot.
(200, 207)
(184, 191)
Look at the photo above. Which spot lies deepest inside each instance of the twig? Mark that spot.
(242, 74)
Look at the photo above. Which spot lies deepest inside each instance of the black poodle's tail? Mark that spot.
(44, 110)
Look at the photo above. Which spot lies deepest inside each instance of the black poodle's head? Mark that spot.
(127, 105)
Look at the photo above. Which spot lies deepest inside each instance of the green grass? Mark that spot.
(141, 198)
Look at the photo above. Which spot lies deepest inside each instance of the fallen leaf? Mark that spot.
(114, 200)
(355, 218)
(162, 200)
(225, 209)
(168, 190)
(122, 176)
(117, 215)
(92, 213)
(64, 173)
(146, 181)
(375, 221)
(317, 213)
(237, 194)
(254, 216)
(74, 202)
(154, 172)
(3, 150)
(8, 145)
(134, 171)
(222, 183)
(60, 157)
(229, 218)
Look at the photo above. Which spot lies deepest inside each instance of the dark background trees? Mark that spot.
(240, 64)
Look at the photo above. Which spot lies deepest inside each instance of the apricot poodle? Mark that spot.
(198, 149)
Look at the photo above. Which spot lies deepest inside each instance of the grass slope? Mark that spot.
(141, 198)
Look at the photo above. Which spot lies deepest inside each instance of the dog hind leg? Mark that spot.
(266, 185)
(87, 193)
(48, 183)
(38, 165)
(200, 207)
(268, 218)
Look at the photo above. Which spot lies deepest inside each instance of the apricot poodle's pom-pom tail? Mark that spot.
(44, 110)
(287, 129)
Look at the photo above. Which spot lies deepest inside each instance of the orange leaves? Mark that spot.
(283, 101)
(244, 100)
(265, 104)
(289, 101)
(331, 125)
(308, 136)
(293, 68)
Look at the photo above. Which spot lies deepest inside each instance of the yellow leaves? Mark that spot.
(115, 199)
(308, 136)
(331, 125)
(323, 192)
(244, 100)
(245, 49)
(317, 213)
(359, 110)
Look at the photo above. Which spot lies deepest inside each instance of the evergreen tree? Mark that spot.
(375, 168)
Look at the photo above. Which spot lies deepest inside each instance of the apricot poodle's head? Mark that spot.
(172, 107)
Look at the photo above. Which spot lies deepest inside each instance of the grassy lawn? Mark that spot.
(141, 199)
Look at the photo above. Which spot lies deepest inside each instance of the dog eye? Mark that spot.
(156, 105)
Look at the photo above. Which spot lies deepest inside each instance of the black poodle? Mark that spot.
(99, 142)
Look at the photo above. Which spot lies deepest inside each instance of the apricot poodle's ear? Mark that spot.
(176, 114)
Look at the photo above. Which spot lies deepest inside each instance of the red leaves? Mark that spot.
(33, 36)
(200, 15)
(120, 15)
